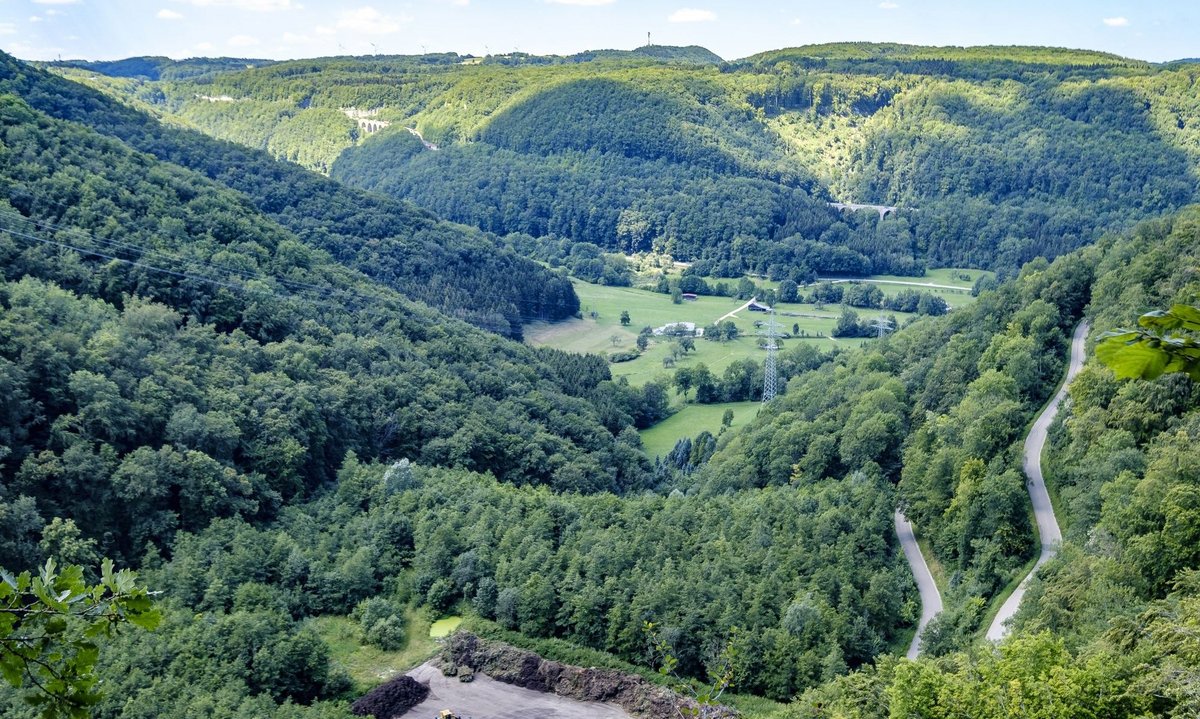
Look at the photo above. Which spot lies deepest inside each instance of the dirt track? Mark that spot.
(486, 698)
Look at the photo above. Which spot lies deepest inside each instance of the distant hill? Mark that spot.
(1004, 153)
(689, 54)
(897, 51)
(162, 68)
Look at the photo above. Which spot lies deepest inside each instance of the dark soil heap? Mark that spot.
(508, 664)
(391, 699)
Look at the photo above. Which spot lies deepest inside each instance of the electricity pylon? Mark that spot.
(770, 381)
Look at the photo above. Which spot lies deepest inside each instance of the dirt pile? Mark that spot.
(391, 699)
(508, 664)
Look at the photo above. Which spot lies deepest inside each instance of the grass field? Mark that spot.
(605, 334)
(691, 421)
(367, 665)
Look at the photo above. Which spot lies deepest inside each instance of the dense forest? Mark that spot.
(284, 400)
(993, 155)
(446, 266)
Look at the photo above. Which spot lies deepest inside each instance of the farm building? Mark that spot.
(756, 306)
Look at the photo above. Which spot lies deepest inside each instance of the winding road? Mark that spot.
(931, 599)
(1042, 509)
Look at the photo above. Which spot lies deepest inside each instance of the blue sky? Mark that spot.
(280, 29)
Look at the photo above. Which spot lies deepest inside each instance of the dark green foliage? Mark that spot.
(393, 243)
(155, 68)
(584, 260)
(1005, 154)
(237, 377)
(1102, 630)
(233, 422)
(591, 570)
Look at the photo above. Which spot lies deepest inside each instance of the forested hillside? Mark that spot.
(994, 155)
(158, 326)
(1107, 628)
(446, 266)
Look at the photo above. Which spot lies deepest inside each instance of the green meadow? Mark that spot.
(600, 331)
(691, 421)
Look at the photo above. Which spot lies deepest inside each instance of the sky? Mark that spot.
(1154, 30)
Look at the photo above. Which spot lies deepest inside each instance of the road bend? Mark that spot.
(1043, 511)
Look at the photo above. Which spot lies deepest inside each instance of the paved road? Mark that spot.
(931, 599)
(1042, 510)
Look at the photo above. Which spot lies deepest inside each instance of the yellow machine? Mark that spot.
(446, 714)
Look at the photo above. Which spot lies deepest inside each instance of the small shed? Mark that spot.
(690, 296)
(756, 306)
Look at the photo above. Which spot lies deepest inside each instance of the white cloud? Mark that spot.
(324, 30)
(55, 2)
(51, 12)
(7, 28)
(689, 14)
(588, 3)
(253, 5)
(166, 14)
(888, 5)
(242, 41)
(35, 18)
(369, 21)
(292, 38)
(1116, 21)
(204, 46)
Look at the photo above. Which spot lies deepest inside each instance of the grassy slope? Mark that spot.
(367, 665)
(691, 421)
(654, 310)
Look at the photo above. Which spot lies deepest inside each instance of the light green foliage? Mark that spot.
(1156, 347)
(53, 625)
(382, 623)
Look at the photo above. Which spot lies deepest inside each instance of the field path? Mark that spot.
(727, 315)
(931, 598)
(1042, 509)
